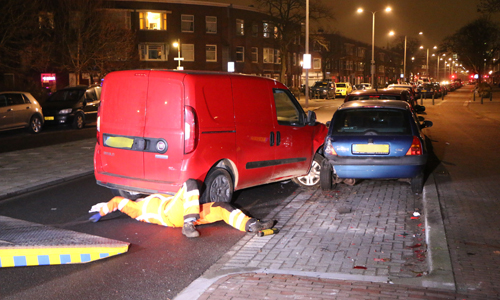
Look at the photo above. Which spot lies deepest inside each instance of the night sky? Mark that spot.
(437, 19)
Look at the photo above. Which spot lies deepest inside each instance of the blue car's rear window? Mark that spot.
(380, 121)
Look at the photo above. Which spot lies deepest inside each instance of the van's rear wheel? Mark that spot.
(219, 187)
(312, 178)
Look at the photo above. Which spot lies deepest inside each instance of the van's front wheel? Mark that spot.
(311, 180)
(219, 187)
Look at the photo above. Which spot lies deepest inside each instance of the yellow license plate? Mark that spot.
(370, 149)
(49, 118)
(119, 142)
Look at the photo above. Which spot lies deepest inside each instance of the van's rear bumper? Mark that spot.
(136, 185)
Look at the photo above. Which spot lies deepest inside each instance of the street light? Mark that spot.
(360, 10)
(178, 58)
(404, 58)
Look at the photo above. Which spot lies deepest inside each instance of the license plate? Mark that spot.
(119, 142)
(370, 149)
(49, 118)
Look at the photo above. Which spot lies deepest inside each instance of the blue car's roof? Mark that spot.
(396, 104)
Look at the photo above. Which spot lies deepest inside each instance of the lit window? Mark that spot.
(152, 52)
(240, 53)
(153, 20)
(266, 29)
(240, 27)
(211, 24)
(187, 23)
(277, 57)
(187, 52)
(316, 63)
(268, 56)
(211, 52)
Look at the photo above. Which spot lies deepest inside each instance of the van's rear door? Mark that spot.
(122, 121)
(164, 127)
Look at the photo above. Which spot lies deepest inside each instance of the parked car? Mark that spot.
(373, 139)
(323, 89)
(402, 94)
(158, 128)
(343, 89)
(366, 85)
(409, 87)
(20, 110)
(76, 105)
(426, 90)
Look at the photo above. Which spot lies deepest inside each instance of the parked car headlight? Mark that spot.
(65, 111)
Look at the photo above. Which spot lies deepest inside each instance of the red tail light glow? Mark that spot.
(329, 149)
(190, 130)
(416, 147)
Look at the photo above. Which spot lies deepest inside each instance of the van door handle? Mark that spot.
(278, 138)
(271, 139)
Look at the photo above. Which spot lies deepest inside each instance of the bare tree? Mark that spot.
(88, 37)
(288, 16)
(477, 44)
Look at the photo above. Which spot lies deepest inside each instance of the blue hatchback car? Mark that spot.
(374, 139)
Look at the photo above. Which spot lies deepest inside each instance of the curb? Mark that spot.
(440, 267)
(43, 185)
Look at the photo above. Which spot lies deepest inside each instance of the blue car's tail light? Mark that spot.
(416, 147)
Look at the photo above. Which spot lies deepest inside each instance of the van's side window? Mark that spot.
(286, 110)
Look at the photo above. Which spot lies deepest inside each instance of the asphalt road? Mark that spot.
(160, 261)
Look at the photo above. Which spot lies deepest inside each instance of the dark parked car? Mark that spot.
(374, 139)
(382, 94)
(75, 105)
(20, 110)
(426, 90)
(323, 89)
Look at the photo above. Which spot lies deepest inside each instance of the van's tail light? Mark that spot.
(329, 148)
(190, 130)
(416, 147)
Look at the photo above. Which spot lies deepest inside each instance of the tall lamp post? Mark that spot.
(404, 57)
(178, 58)
(360, 10)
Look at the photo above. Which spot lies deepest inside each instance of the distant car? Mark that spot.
(374, 139)
(343, 88)
(382, 94)
(409, 87)
(426, 90)
(366, 85)
(323, 89)
(75, 105)
(20, 110)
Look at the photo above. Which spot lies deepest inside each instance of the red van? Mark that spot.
(158, 128)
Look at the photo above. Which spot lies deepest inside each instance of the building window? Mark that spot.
(361, 66)
(381, 69)
(240, 53)
(211, 24)
(276, 32)
(349, 65)
(268, 56)
(381, 56)
(154, 52)
(152, 20)
(255, 54)
(187, 52)
(361, 52)
(240, 27)
(187, 23)
(255, 29)
(277, 57)
(266, 29)
(316, 63)
(211, 52)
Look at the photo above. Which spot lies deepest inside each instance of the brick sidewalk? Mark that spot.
(283, 286)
